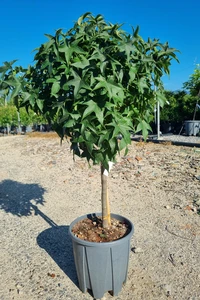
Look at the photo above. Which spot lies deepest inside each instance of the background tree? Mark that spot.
(180, 107)
(96, 82)
(193, 86)
(2, 100)
(183, 104)
(10, 84)
(8, 115)
(7, 78)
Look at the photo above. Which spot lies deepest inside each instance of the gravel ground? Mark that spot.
(42, 190)
(182, 138)
(174, 138)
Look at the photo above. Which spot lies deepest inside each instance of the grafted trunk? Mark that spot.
(104, 199)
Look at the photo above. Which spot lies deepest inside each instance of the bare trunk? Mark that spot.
(8, 128)
(7, 125)
(195, 110)
(104, 199)
(19, 123)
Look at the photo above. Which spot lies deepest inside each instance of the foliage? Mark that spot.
(193, 84)
(2, 101)
(9, 76)
(8, 115)
(182, 105)
(180, 108)
(31, 117)
(95, 82)
(10, 84)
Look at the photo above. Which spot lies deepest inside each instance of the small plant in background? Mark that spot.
(10, 85)
(193, 85)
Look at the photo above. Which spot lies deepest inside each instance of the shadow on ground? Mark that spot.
(57, 243)
(21, 200)
(17, 198)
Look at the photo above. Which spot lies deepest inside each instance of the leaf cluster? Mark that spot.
(193, 84)
(96, 82)
(181, 107)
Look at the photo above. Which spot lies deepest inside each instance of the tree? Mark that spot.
(8, 115)
(8, 84)
(181, 107)
(96, 82)
(2, 101)
(7, 78)
(193, 86)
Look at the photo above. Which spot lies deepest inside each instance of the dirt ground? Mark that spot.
(42, 190)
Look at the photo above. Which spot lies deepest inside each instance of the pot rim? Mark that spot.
(104, 244)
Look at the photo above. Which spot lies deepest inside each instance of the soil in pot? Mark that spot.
(91, 230)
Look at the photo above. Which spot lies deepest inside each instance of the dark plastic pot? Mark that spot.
(102, 267)
(192, 127)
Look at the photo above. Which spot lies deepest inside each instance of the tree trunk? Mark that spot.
(19, 123)
(195, 110)
(104, 199)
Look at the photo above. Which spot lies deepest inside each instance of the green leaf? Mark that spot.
(66, 86)
(51, 80)
(68, 50)
(40, 104)
(160, 98)
(122, 144)
(136, 32)
(132, 72)
(113, 145)
(49, 36)
(82, 63)
(144, 127)
(142, 85)
(78, 84)
(83, 17)
(99, 115)
(112, 88)
(92, 107)
(15, 91)
(69, 124)
(55, 88)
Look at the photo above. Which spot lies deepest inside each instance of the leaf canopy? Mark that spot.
(96, 82)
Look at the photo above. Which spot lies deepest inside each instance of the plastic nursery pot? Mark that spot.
(102, 267)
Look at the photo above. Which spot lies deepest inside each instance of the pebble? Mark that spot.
(167, 289)
(194, 209)
(167, 206)
(137, 250)
(197, 202)
(115, 175)
(42, 168)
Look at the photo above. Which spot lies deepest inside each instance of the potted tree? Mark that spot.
(95, 83)
(192, 127)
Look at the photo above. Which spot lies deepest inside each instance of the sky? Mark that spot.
(23, 24)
